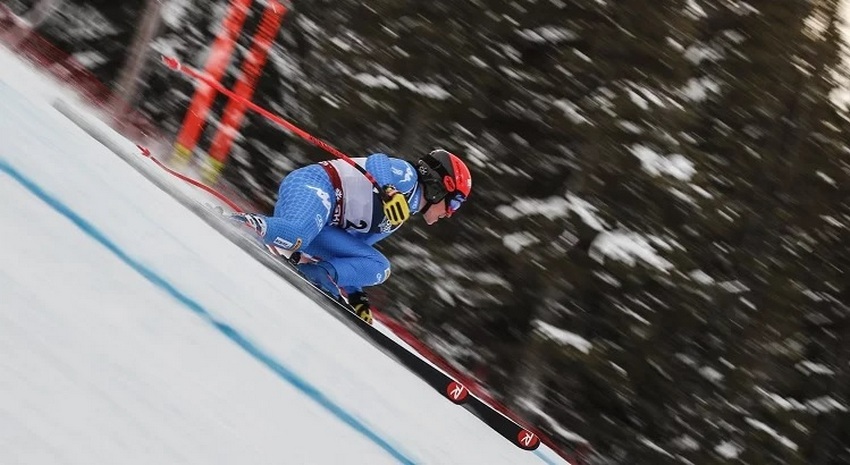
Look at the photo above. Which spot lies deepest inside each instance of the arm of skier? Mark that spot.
(378, 164)
(395, 204)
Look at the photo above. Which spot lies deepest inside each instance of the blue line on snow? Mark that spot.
(283, 372)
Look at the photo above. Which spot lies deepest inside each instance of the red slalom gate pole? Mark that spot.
(175, 64)
(234, 112)
(216, 64)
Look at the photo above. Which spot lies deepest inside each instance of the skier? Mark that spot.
(331, 212)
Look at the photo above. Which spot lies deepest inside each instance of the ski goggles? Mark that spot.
(453, 203)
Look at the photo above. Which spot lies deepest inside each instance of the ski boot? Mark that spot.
(359, 303)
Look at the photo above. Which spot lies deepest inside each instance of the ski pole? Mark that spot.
(175, 64)
(147, 154)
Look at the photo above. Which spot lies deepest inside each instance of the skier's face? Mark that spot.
(437, 212)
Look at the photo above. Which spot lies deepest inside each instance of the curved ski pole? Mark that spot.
(147, 154)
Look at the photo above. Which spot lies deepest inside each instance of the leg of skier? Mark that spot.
(305, 201)
(351, 263)
(354, 263)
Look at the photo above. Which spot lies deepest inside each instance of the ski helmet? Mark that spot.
(444, 176)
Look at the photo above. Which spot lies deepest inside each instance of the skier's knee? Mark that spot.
(384, 267)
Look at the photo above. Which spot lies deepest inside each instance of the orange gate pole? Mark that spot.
(234, 112)
(216, 64)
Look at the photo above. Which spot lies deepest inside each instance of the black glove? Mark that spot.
(360, 303)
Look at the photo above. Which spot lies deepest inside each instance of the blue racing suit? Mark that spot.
(330, 211)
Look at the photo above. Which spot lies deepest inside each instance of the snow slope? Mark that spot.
(131, 332)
